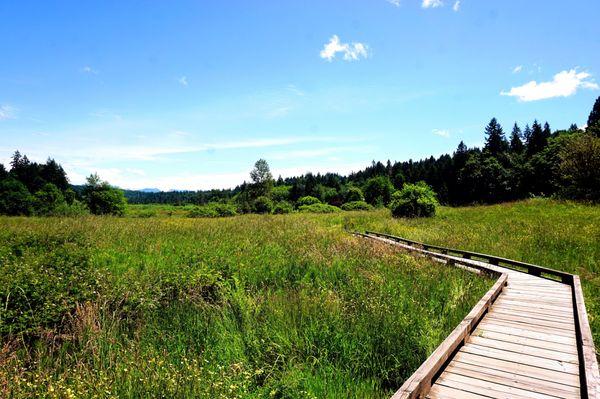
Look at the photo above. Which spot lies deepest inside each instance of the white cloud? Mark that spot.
(89, 69)
(517, 69)
(456, 6)
(432, 3)
(351, 52)
(441, 132)
(6, 112)
(394, 2)
(183, 81)
(563, 84)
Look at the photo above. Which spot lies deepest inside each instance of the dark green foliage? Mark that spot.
(356, 206)
(414, 200)
(14, 198)
(516, 142)
(580, 167)
(213, 210)
(283, 207)
(307, 200)
(281, 193)
(102, 199)
(593, 121)
(43, 278)
(495, 142)
(354, 193)
(262, 180)
(318, 208)
(263, 205)
(3, 172)
(537, 139)
(378, 190)
(48, 200)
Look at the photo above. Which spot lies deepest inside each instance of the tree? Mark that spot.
(495, 142)
(516, 143)
(414, 200)
(593, 123)
(537, 139)
(15, 199)
(48, 199)
(378, 190)
(263, 205)
(102, 199)
(262, 179)
(580, 168)
(53, 173)
(3, 172)
(353, 193)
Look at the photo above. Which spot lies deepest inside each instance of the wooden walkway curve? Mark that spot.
(528, 337)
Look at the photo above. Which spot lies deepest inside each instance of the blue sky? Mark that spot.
(188, 94)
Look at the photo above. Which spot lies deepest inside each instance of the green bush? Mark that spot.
(378, 190)
(356, 206)
(103, 199)
(76, 208)
(281, 193)
(319, 208)
(414, 200)
(43, 278)
(48, 199)
(353, 194)
(213, 210)
(14, 198)
(283, 207)
(307, 200)
(263, 205)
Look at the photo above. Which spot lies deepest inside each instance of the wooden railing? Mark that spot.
(420, 382)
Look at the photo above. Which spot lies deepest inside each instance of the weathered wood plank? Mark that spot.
(536, 343)
(524, 349)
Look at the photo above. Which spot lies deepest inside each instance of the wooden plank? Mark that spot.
(532, 328)
(530, 360)
(442, 392)
(532, 305)
(524, 349)
(517, 368)
(486, 325)
(536, 343)
(528, 320)
(538, 299)
(550, 293)
(510, 307)
(519, 381)
(488, 388)
(534, 316)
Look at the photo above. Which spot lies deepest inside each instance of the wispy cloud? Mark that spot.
(456, 6)
(517, 69)
(432, 3)
(350, 51)
(441, 132)
(89, 69)
(563, 84)
(7, 112)
(394, 2)
(183, 81)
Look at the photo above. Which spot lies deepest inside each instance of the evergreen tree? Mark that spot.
(262, 179)
(594, 117)
(495, 142)
(573, 128)
(537, 139)
(516, 143)
(527, 134)
(547, 132)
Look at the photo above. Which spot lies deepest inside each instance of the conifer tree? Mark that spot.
(495, 142)
(516, 143)
(537, 140)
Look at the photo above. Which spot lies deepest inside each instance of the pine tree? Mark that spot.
(594, 117)
(547, 132)
(537, 140)
(495, 142)
(516, 144)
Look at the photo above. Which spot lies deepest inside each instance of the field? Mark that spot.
(254, 306)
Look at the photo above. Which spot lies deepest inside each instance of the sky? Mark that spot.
(189, 94)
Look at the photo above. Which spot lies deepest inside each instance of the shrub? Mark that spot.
(14, 198)
(319, 208)
(354, 194)
(307, 200)
(48, 199)
(44, 277)
(414, 200)
(213, 210)
(263, 205)
(76, 208)
(283, 207)
(378, 190)
(102, 199)
(281, 193)
(356, 206)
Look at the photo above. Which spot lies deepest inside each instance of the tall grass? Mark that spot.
(287, 306)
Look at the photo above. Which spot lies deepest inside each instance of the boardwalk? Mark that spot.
(524, 339)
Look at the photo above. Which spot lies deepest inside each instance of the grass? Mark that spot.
(287, 306)
(282, 306)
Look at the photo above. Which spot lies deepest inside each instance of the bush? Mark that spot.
(354, 194)
(213, 210)
(283, 207)
(263, 205)
(281, 193)
(307, 200)
(76, 208)
(102, 199)
(414, 200)
(319, 208)
(44, 277)
(48, 199)
(378, 190)
(14, 198)
(356, 206)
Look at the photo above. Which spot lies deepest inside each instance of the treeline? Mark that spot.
(31, 188)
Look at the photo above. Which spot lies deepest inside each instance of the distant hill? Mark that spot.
(149, 190)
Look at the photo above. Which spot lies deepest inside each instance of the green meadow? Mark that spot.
(156, 304)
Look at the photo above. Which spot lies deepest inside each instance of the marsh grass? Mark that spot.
(285, 306)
